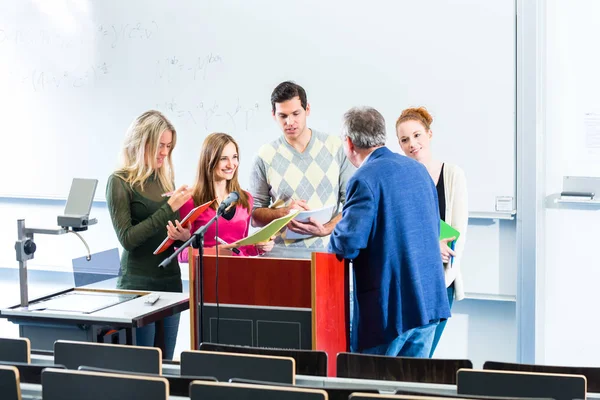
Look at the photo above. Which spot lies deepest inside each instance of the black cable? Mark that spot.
(217, 274)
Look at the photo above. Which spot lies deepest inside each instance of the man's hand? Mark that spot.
(298, 205)
(311, 227)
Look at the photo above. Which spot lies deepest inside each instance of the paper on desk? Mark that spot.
(265, 234)
(323, 215)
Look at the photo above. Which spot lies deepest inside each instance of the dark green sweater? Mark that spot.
(140, 220)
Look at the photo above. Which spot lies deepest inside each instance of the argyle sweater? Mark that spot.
(318, 175)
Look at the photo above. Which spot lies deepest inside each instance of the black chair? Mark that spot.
(225, 366)
(178, 385)
(112, 356)
(10, 385)
(591, 374)
(332, 393)
(221, 390)
(520, 384)
(31, 373)
(308, 362)
(404, 369)
(15, 349)
(408, 395)
(75, 385)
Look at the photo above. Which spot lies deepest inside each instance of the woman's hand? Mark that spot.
(178, 232)
(445, 250)
(179, 197)
(265, 247)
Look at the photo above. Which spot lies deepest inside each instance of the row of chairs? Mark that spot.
(106, 385)
(359, 366)
(274, 369)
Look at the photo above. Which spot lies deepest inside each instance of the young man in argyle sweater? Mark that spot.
(305, 168)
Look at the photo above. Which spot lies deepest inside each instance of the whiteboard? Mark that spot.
(74, 74)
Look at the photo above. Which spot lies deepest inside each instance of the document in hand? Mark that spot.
(186, 223)
(447, 231)
(323, 215)
(265, 234)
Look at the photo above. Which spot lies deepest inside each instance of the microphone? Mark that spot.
(232, 198)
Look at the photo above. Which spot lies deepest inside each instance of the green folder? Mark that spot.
(264, 234)
(446, 231)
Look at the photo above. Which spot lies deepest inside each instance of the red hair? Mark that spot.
(416, 114)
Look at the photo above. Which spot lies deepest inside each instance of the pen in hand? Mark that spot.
(235, 250)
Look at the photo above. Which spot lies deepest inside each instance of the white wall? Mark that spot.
(572, 270)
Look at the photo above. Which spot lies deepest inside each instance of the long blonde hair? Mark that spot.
(204, 190)
(140, 149)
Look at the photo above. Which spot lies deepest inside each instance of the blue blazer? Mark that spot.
(390, 228)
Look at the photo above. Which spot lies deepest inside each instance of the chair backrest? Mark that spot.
(113, 356)
(222, 390)
(75, 385)
(102, 266)
(225, 366)
(15, 349)
(308, 362)
(178, 385)
(368, 396)
(431, 396)
(333, 393)
(520, 384)
(30, 373)
(591, 374)
(10, 385)
(404, 369)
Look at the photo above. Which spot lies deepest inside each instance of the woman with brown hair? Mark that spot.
(217, 177)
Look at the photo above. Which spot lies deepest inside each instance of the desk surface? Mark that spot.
(131, 313)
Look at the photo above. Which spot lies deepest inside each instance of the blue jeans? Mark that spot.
(415, 342)
(442, 324)
(145, 335)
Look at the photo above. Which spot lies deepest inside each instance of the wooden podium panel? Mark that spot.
(318, 285)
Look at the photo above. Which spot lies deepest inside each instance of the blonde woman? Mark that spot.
(140, 215)
(413, 129)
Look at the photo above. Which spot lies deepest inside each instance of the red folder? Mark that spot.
(187, 221)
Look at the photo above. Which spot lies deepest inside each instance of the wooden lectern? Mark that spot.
(275, 291)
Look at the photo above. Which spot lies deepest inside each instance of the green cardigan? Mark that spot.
(140, 219)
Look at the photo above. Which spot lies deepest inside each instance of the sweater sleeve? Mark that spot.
(259, 186)
(118, 199)
(351, 234)
(459, 212)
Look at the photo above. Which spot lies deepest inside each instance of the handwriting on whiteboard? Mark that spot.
(113, 34)
(174, 67)
(212, 115)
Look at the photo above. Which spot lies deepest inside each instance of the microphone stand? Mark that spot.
(197, 242)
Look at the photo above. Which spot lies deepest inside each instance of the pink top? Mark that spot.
(230, 231)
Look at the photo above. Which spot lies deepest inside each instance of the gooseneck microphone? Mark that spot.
(232, 198)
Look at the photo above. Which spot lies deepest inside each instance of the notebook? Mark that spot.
(186, 222)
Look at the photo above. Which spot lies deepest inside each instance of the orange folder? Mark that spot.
(187, 221)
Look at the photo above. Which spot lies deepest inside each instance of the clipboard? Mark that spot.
(265, 233)
(189, 219)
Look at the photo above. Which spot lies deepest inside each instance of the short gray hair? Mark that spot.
(365, 126)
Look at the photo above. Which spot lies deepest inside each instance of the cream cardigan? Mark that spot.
(457, 215)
